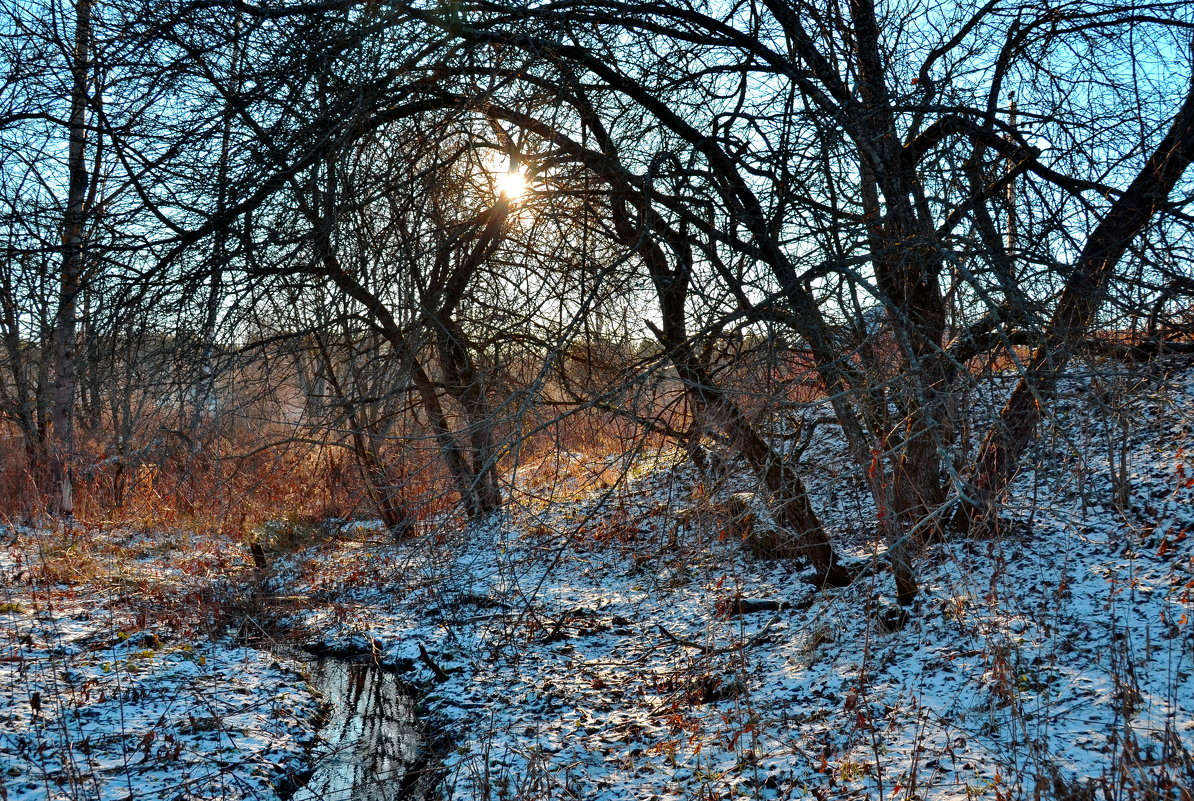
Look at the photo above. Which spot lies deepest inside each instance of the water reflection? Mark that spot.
(370, 740)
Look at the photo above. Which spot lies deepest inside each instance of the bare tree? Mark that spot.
(1077, 309)
(902, 185)
(864, 186)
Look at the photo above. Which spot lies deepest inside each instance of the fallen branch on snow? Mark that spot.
(710, 650)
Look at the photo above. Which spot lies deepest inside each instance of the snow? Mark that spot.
(92, 711)
(604, 666)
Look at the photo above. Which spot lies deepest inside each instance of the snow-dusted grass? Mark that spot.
(93, 712)
(115, 682)
(1060, 659)
(588, 654)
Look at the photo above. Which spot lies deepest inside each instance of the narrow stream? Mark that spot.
(372, 749)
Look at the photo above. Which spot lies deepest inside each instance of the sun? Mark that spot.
(512, 184)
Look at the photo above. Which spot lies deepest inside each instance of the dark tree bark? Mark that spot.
(793, 509)
(1082, 296)
(66, 323)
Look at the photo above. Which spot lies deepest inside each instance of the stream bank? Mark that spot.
(372, 743)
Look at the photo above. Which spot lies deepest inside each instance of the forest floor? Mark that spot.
(603, 642)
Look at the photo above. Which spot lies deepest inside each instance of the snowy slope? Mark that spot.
(1053, 662)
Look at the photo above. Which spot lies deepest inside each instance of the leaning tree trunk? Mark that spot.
(379, 484)
(806, 319)
(793, 509)
(1082, 296)
(457, 465)
(455, 269)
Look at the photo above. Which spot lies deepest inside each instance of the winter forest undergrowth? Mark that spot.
(636, 639)
(596, 399)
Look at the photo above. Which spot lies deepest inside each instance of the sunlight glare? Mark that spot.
(512, 185)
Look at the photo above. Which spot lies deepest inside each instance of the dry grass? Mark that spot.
(231, 485)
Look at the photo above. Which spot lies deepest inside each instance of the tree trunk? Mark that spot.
(793, 510)
(1082, 296)
(462, 382)
(458, 467)
(907, 267)
(19, 395)
(71, 278)
(792, 506)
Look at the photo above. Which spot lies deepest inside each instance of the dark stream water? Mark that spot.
(373, 750)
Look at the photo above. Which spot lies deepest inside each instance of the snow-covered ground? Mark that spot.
(97, 702)
(611, 663)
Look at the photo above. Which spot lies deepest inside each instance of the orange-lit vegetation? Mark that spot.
(306, 308)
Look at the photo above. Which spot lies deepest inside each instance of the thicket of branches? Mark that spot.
(237, 230)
